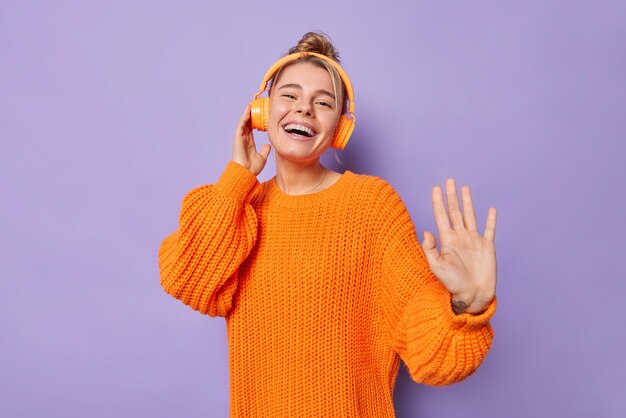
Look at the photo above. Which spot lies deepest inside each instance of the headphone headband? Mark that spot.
(293, 57)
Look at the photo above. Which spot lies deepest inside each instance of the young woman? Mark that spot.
(319, 275)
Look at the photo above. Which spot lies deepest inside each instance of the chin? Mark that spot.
(299, 153)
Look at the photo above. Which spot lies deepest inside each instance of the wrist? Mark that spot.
(471, 305)
(461, 301)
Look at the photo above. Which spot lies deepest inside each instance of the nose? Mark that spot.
(303, 107)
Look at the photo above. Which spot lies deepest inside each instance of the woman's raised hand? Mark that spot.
(244, 148)
(467, 263)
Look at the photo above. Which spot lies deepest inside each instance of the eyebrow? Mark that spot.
(299, 87)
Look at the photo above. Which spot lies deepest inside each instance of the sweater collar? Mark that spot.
(275, 196)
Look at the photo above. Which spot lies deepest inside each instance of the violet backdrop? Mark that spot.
(110, 112)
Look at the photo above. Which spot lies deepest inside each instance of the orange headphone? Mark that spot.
(260, 106)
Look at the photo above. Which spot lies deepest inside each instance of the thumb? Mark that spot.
(265, 150)
(429, 245)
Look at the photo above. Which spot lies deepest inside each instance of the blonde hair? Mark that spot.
(320, 43)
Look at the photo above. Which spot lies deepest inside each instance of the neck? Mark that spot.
(300, 178)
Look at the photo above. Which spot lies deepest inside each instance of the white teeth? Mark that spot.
(300, 128)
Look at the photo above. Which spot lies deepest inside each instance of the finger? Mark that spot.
(468, 208)
(246, 112)
(429, 245)
(490, 227)
(441, 217)
(454, 209)
(265, 151)
(250, 144)
(243, 121)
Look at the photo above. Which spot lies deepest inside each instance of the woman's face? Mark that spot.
(303, 113)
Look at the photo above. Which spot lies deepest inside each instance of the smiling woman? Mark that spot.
(319, 275)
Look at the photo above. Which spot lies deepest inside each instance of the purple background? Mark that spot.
(110, 112)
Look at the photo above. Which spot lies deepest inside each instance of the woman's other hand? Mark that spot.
(467, 263)
(244, 148)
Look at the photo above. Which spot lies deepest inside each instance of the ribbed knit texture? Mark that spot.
(322, 294)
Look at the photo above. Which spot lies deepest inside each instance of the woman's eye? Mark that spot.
(325, 104)
(289, 96)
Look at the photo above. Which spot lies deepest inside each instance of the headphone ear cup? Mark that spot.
(260, 111)
(342, 132)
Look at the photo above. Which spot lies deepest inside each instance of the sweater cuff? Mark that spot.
(236, 181)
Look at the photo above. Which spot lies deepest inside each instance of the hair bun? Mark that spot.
(316, 42)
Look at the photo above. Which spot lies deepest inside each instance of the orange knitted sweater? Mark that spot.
(322, 295)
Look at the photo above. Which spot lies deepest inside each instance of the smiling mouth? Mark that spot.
(294, 128)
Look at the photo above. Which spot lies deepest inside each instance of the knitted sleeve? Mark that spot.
(217, 229)
(438, 346)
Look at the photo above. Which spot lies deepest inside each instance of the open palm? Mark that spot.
(466, 264)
